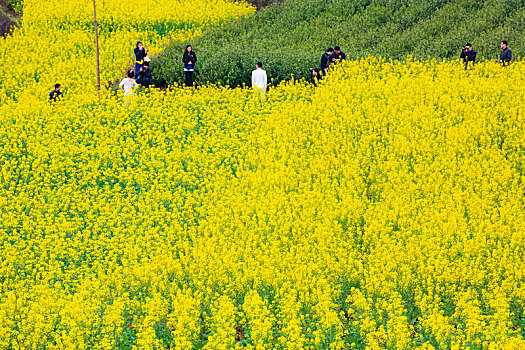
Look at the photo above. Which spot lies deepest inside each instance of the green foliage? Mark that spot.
(14, 5)
(291, 37)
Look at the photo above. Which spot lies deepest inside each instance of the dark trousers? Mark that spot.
(188, 75)
(144, 82)
(138, 66)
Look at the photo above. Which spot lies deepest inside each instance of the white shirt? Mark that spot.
(128, 84)
(259, 79)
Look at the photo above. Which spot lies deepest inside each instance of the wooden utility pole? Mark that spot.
(96, 43)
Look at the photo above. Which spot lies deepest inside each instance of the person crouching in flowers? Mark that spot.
(144, 77)
(129, 84)
(55, 93)
(189, 59)
(140, 54)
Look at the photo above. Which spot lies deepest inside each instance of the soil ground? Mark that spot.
(8, 19)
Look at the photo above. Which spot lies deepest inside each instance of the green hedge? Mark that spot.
(290, 38)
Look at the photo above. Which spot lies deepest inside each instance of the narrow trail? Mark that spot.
(8, 19)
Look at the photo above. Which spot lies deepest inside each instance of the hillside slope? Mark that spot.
(291, 37)
(9, 16)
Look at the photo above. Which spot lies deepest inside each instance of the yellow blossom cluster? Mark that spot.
(383, 209)
(56, 41)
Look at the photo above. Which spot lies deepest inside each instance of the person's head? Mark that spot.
(258, 65)
(337, 50)
(139, 45)
(468, 47)
(58, 87)
(131, 74)
(188, 49)
(146, 64)
(504, 44)
(330, 51)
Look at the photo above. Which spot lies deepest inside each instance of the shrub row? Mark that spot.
(291, 37)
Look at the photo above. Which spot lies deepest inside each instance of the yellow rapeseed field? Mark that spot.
(381, 210)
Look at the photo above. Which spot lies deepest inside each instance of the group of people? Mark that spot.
(141, 75)
(468, 55)
(330, 56)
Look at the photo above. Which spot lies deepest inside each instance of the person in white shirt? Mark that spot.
(259, 78)
(129, 84)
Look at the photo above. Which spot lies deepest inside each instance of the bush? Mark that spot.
(291, 37)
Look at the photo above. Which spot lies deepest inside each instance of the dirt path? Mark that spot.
(8, 19)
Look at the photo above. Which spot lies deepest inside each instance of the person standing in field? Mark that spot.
(326, 59)
(468, 55)
(129, 83)
(189, 59)
(505, 55)
(259, 78)
(55, 93)
(140, 54)
(338, 55)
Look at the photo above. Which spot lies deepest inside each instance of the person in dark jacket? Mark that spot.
(189, 59)
(338, 55)
(468, 55)
(140, 54)
(326, 59)
(144, 77)
(56, 93)
(505, 55)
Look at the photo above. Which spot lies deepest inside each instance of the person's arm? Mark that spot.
(324, 61)
(194, 59)
(253, 79)
(509, 56)
(139, 54)
(265, 81)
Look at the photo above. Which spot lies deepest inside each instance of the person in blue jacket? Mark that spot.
(55, 93)
(140, 54)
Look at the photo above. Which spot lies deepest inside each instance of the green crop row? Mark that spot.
(291, 37)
